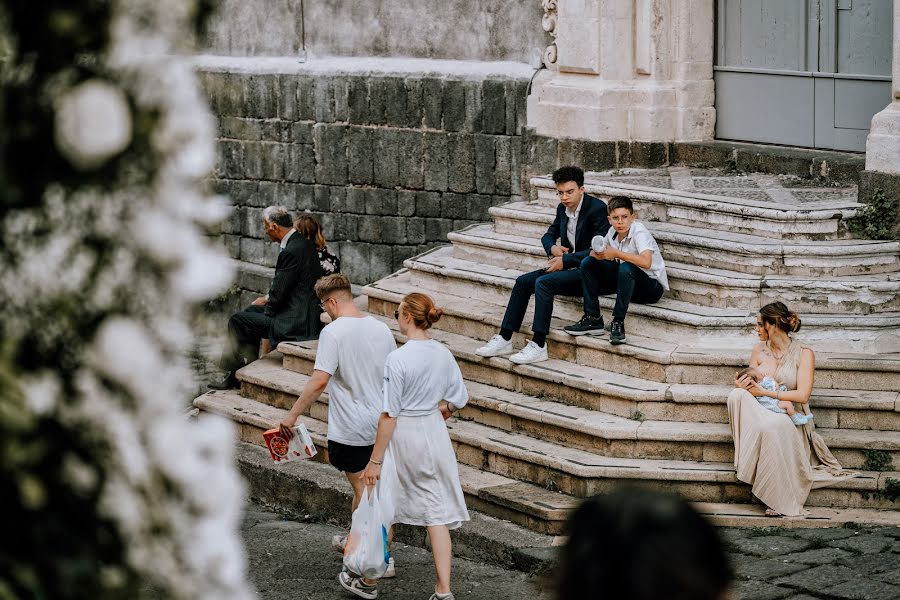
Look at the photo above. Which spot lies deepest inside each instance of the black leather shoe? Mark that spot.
(229, 383)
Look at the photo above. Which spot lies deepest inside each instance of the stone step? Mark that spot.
(439, 271)
(728, 250)
(707, 286)
(690, 385)
(525, 503)
(729, 209)
(591, 430)
(569, 470)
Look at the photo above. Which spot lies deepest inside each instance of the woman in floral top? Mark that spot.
(309, 227)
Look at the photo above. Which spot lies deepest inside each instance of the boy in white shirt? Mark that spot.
(628, 262)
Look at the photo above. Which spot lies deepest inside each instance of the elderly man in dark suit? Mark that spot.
(579, 218)
(290, 311)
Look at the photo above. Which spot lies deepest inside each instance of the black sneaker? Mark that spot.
(617, 333)
(230, 382)
(586, 326)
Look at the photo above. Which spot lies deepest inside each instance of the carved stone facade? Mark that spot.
(642, 71)
(883, 143)
(636, 70)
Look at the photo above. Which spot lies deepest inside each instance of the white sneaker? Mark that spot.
(356, 586)
(391, 571)
(531, 353)
(497, 346)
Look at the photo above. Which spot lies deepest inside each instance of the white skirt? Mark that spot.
(424, 483)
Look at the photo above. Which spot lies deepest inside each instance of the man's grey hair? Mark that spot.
(278, 215)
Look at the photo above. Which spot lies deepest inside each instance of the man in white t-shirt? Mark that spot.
(350, 363)
(628, 262)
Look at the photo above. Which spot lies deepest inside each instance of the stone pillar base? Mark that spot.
(883, 143)
(569, 105)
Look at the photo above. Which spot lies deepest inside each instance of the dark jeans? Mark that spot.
(630, 284)
(245, 330)
(544, 286)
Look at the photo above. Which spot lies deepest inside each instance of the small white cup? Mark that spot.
(598, 243)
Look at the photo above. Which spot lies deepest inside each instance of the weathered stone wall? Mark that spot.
(456, 29)
(389, 163)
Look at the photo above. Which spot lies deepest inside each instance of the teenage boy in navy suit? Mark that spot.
(579, 218)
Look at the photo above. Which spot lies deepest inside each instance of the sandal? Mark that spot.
(772, 513)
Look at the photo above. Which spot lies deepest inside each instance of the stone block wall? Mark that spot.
(389, 163)
(455, 29)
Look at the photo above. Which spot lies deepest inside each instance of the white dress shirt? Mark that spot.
(572, 225)
(639, 239)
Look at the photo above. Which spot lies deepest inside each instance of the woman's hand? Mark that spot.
(371, 475)
(445, 411)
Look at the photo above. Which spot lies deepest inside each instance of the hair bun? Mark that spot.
(793, 321)
(434, 314)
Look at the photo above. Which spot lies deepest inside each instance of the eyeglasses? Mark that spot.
(620, 218)
(322, 302)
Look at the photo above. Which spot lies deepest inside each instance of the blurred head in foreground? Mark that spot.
(635, 544)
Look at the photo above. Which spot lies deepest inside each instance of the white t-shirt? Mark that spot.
(640, 239)
(353, 350)
(418, 375)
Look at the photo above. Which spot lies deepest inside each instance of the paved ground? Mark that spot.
(846, 563)
(289, 559)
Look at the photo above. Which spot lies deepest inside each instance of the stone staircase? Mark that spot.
(536, 438)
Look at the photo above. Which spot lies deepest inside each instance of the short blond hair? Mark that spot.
(328, 285)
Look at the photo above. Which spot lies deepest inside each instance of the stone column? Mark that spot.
(883, 143)
(630, 70)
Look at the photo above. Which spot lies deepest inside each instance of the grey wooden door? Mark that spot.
(802, 72)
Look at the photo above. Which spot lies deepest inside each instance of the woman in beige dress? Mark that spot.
(782, 461)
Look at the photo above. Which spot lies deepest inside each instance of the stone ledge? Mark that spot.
(364, 66)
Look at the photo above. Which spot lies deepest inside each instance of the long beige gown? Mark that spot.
(782, 461)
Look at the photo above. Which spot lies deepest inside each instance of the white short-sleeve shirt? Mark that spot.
(418, 375)
(639, 239)
(353, 351)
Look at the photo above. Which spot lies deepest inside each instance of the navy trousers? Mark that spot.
(628, 282)
(544, 286)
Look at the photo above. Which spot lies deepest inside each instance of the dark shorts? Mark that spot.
(351, 459)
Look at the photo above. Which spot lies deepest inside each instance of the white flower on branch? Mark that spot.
(93, 124)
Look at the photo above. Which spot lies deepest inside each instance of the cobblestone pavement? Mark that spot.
(845, 563)
(290, 559)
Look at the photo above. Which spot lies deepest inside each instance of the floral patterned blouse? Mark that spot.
(331, 264)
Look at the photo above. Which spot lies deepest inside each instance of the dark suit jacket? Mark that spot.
(592, 220)
(293, 304)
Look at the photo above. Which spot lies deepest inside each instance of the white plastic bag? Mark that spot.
(366, 553)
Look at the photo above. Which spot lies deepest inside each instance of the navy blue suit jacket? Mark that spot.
(592, 220)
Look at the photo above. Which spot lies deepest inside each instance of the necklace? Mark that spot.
(783, 352)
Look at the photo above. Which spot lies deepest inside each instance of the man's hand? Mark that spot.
(286, 427)
(445, 411)
(558, 250)
(371, 475)
(261, 301)
(554, 264)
